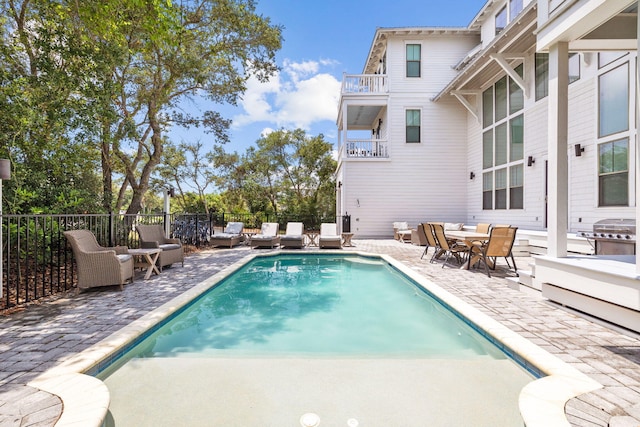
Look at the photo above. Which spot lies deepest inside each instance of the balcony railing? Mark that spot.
(366, 148)
(364, 83)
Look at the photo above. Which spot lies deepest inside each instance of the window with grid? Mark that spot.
(503, 144)
(614, 133)
(413, 126)
(613, 173)
(413, 60)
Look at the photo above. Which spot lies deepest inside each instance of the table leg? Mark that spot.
(151, 261)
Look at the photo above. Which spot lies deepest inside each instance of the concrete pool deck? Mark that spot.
(42, 336)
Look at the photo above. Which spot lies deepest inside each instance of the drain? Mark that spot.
(310, 420)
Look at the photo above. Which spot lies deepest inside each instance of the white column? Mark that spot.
(637, 166)
(557, 147)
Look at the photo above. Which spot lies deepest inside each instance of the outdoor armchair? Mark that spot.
(294, 236)
(98, 265)
(268, 236)
(231, 236)
(152, 237)
(401, 231)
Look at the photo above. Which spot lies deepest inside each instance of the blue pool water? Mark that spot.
(316, 305)
(343, 335)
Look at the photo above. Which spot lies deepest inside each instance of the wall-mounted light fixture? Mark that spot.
(339, 184)
(530, 161)
(379, 122)
(472, 175)
(579, 150)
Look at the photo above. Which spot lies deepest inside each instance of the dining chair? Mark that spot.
(499, 245)
(449, 248)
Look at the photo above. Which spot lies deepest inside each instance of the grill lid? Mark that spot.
(613, 225)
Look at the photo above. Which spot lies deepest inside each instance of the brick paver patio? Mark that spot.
(41, 336)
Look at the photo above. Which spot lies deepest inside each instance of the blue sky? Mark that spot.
(322, 40)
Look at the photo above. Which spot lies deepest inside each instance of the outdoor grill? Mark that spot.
(613, 236)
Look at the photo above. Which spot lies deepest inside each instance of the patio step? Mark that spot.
(525, 278)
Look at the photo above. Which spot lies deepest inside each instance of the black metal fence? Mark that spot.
(37, 261)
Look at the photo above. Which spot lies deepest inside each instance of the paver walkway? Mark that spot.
(41, 336)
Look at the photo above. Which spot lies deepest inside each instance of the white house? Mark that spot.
(526, 116)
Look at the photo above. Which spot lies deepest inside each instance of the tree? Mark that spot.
(208, 48)
(42, 65)
(292, 173)
(102, 82)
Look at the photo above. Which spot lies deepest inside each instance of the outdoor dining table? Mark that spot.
(468, 237)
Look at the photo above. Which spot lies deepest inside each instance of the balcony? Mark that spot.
(366, 148)
(364, 84)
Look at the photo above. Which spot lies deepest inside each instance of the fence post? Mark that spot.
(111, 230)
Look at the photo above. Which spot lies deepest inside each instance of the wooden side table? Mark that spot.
(313, 238)
(346, 239)
(146, 258)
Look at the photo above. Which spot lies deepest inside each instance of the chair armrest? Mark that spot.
(174, 240)
(149, 245)
(120, 249)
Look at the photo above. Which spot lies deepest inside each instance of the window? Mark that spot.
(487, 190)
(503, 145)
(516, 95)
(613, 173)
(613, 97)
(574, 67)
(516, 186)
(413, 126)
(501, 20)
(515, 7)
(501, 188)
(413, 60)
(605, 58)
(542, 75)
(487, 107)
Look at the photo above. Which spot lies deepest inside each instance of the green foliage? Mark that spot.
(94, 85)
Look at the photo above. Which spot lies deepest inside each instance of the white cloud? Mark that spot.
(298, 96)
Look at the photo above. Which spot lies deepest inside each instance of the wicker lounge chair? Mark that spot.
(268, 236)
(98, 265)
(293, 237)
(499, 245)
(152, 236)
(329, 237)
(231, 236)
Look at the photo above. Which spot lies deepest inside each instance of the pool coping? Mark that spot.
(541, 402)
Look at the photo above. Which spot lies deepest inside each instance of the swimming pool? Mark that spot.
(326, 312)
(392, 390)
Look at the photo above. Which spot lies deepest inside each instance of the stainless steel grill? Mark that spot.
(613, 236)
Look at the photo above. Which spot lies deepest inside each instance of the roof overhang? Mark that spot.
(510, 45)
(379, 44)
(591, 25)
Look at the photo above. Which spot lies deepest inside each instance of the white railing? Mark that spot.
(364, 83)
(369, 148)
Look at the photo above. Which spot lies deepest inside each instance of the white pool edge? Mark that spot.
(86, 399)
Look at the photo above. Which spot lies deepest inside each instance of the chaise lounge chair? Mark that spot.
(329, 237)
(293, 237)
(268, 237)
(152, 236)
(98, 265)
(231, 236)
